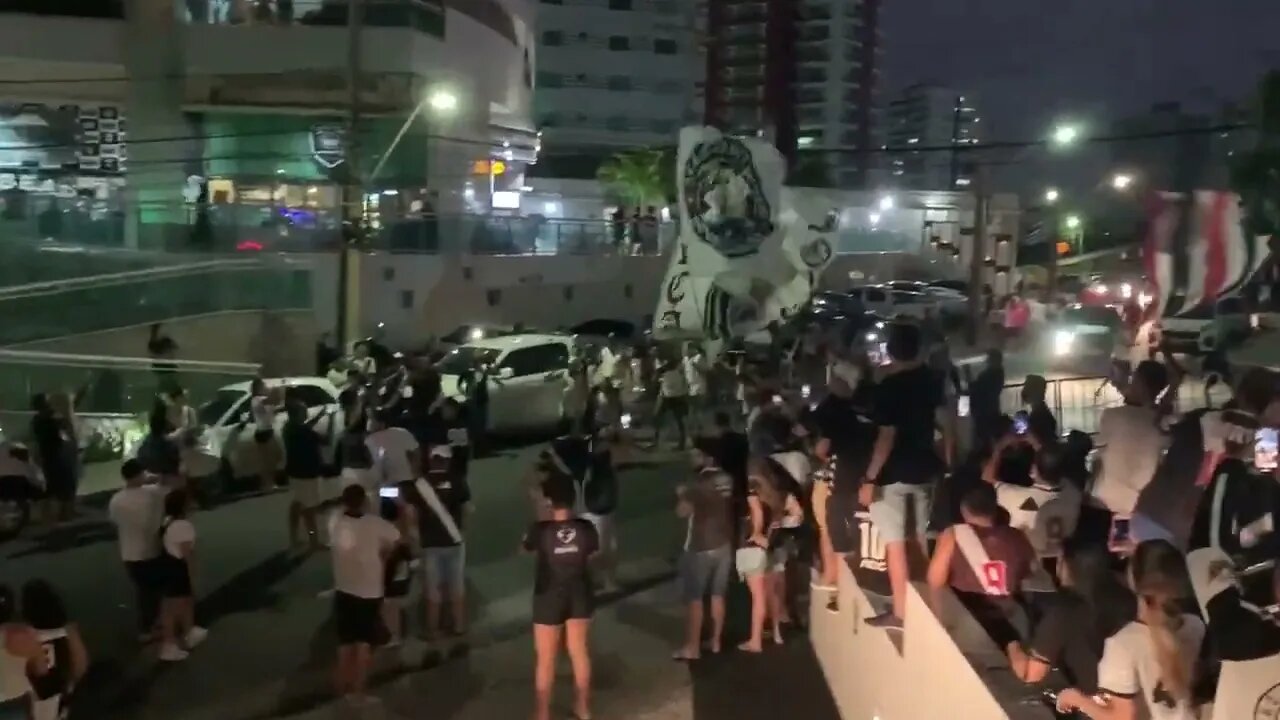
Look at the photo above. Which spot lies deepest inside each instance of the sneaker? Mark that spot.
(170, 652)
(833, 605)
(194, 637)
(885, 621)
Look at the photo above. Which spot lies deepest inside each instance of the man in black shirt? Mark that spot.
(984, 400)
(304, 466)
(442, 502)
(905, 463)
(706, 502)
(1040, 419)
(732, 451)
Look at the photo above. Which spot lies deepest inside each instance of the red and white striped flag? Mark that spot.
(1196, 249)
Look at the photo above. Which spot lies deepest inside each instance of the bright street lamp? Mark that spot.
(1121, 181)
(886, 203)
(1051, 195)
(1073, 222)
(1064, 135)
(442, 100)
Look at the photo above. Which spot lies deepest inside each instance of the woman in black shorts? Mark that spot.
(173, 569)
(562, 596)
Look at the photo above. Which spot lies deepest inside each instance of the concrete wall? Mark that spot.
(919, 673)
(283, 342)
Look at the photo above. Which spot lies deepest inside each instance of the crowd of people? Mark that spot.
(1073, 558)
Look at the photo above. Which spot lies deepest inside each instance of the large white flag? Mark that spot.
(741, 260)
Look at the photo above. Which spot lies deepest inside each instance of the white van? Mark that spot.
(528, 381)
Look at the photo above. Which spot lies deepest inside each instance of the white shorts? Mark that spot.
(604, 528)
(309, 492)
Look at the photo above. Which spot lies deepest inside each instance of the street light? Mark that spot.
(1121, 181)
(443, 100)
(1064, 135)
(1051, 195)
(886, 203)
(1073, 222)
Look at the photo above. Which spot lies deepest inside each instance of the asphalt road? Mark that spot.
(269, 647)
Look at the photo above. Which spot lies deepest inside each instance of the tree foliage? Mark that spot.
(640, 177)
(1256, 174)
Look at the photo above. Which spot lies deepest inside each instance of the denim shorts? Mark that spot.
(443, 570)
(705, 573)
(751, 560)
(897, 505)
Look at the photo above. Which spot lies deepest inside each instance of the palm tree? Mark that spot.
(636, 177)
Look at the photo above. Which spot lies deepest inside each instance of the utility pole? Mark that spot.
(977, 253)
(1055, 228)
(352, 189)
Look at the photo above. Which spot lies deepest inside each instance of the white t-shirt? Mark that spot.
(357, 544)
(1133, 444)
(695, 374)
(673, 383)
(263, 413)
(1129, 668)
(178, 533)
(1047, 515)
(137, 513)
(390, 448)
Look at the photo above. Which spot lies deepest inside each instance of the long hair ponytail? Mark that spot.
(1161, 583)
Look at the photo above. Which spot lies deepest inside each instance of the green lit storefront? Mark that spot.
(286, 171)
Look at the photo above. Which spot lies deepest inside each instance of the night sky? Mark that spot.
(1031, 61)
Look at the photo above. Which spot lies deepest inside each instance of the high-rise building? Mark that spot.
(929, 117)
(802, 72)
(615, 73)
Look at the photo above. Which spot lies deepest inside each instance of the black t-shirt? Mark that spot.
(852, 431)
(563, 549)
(732, 454)
(907, 401)
(1042, 423)
(1071, 634)
(600, 484)
(711, 525)
(454, 494)
(51, 441)
(302, 451)
(159, 454)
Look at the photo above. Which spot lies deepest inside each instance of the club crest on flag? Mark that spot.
(724, 197)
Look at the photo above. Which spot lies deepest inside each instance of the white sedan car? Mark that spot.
(229, 408)
(528, 382)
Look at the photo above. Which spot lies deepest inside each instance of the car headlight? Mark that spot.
(1063, 340)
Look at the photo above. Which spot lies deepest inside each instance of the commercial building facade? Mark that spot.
(615, 74)
(932, 118)
(802, 73)
(155, 111)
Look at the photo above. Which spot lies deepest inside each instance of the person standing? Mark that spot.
(177, 590)
(65, 658)
(137, 511)
(395, 452)
(696, 370)
(984, 400)
(19, 650)
(1132, 441)
(361, 543)
(599, 503)
(441, 503)
(562, 597)
(673, 401)
(263, 406)
(706, 503)
(304, 466)
(905, 462)
(54, 450)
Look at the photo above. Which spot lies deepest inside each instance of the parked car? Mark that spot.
(227, 421)
(890, 303)
(1208, 327)
(470, 332)
(530, 376)
(1085, 332)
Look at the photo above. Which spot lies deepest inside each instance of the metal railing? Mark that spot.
(426, 16)
(228, 228)
(1078, 402)
(71, 306)
(108, 384)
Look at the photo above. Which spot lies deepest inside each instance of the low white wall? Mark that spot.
(919, 674)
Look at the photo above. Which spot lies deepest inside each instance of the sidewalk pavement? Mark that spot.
(633, 675)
